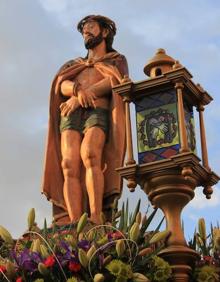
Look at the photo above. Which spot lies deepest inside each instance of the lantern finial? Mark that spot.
(159, 64)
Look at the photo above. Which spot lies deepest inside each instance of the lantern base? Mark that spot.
(170, 185)
(182, 259)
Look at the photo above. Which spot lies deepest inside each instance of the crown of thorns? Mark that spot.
(103, 21)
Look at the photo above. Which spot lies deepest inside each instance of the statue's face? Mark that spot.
(92, 34)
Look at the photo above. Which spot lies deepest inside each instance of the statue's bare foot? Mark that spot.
(95, 219)
(63, 221)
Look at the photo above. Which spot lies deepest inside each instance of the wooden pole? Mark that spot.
(207, 189)
(205, 161)
(181, 116)
(130, 156)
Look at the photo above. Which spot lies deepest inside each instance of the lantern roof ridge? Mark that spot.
(160, 58)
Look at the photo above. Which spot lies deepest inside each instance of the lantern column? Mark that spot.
(168, 169)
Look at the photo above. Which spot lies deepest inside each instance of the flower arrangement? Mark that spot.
(119, 251)
(207, 267)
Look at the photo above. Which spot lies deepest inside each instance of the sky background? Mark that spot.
(38, 36)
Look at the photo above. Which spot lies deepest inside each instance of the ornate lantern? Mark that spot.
(168, 168)
(158, 130)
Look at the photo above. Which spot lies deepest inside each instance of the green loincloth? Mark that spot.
(84, 118)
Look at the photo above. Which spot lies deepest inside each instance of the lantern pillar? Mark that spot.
(168, 168)
(207, 189)
(181, 115)
(171, 192)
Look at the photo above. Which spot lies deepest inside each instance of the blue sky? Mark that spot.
(38, 36)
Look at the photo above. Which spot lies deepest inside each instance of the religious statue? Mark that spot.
(86, 136)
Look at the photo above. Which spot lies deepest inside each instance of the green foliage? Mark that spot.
(31, 218)
(120, 251)
(82, 222)
(207, 274)
(119, 269)
(162, 270)
(72, 279)
(207, 267)
(5, 235)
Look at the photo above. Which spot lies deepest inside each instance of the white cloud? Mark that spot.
(56, 6)
(66, 12)
(200, 202)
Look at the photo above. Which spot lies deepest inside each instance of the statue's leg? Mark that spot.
(60, 216)
(71, 164)
(91, 153)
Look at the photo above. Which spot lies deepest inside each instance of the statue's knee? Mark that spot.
(89, 159)
(68, 168)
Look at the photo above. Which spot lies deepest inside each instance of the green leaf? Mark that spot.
(194, 240)
(31, 218)
(159, 236)
(6, 236)
(83, 259)
(45, 229)
(125, 227)
(134, 232)
(202, 229)
(135, 213)
(148, 222)
(159, 225)
(82, 222)
(99, 277)
(139, 277)
(120, 247)
(121, 223)
(54, 228)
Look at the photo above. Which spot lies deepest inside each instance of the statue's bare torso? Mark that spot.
(91, 76)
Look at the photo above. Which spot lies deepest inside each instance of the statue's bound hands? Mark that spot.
(69, 106)
(86, 98)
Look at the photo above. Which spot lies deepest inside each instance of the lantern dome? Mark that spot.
(159, 64)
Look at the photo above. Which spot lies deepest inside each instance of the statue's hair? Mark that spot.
(103, 22)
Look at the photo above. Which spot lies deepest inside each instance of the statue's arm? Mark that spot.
(101, 88)
(104, 86)
(67, 88)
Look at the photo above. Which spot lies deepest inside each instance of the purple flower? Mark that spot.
(106, 246)
(36, 257)
(101, 260)
(29, 265)
(65, 246)
(27, 260)
(14, 256)
(84, 244)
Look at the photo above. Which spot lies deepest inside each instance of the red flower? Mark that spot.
(74, 266)
(49, 262)
(115, 235)
(208, 259)
(2, 268)
(19, 279)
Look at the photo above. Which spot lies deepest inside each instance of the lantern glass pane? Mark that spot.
(190, 127)
(157, 126)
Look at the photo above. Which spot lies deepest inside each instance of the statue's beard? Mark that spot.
(93, 41)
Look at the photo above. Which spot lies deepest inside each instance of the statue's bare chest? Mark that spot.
(89, 76)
